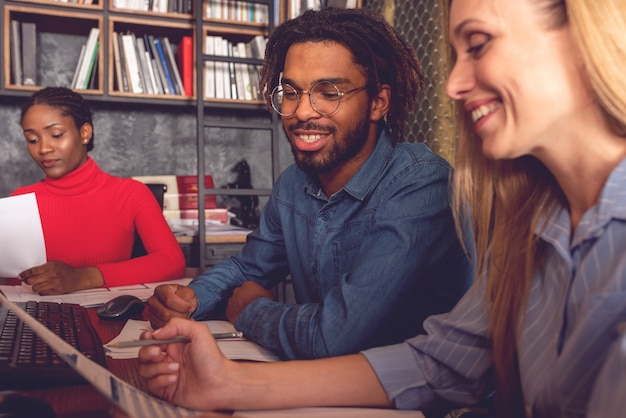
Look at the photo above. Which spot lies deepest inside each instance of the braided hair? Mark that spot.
(384, 56)
(70, 103)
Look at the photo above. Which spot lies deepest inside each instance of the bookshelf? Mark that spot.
(69, 24)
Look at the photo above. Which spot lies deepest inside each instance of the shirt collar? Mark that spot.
(611, 205)
(365, 179)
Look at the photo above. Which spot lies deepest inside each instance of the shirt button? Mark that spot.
(325, 216)
(313, 269)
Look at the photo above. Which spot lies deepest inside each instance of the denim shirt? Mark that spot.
(368, 264)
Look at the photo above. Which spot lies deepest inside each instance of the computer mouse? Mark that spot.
(15, 404)
(121, 307)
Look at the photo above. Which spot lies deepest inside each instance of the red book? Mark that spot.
(188, 192)
(185, 63)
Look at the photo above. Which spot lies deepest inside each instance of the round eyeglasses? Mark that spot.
(324, 97)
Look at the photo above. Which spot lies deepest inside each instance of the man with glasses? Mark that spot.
(361, 222)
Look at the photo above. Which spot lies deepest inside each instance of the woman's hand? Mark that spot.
(56, 278)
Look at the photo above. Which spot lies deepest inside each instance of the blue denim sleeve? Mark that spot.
(262, 259)
(410, 256)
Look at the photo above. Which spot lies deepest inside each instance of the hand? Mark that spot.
(56, 278)
(192, 375)
(243, 295)
(170, 301)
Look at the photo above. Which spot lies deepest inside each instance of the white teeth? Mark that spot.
(482, 111)
(310, 138)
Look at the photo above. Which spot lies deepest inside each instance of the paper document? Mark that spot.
(135, 403)
(87, 298)
(22, 245)
(234, 349)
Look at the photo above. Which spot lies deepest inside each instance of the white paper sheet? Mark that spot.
(21, 244)
(87, 298)
(234, 349)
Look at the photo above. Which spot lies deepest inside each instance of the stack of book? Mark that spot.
(148, 64)
(180, 200)
(229, 80)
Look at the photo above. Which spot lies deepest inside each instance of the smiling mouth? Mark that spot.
(310, 138)
(482, 111)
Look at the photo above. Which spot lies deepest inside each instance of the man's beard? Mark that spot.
(342, 150)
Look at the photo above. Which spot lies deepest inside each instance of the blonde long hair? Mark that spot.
(507, 199)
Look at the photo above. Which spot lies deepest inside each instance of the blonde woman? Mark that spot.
(541, 164)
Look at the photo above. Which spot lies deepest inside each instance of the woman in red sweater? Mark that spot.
(89, 217)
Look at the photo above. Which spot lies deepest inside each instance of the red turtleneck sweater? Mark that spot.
(89, 219)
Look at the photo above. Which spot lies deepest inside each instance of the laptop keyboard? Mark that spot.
(26, 361)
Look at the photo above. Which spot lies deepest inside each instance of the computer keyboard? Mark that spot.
(26, 361)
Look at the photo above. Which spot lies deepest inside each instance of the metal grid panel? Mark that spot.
(420, 22)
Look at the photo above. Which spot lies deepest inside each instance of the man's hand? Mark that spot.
(170, 301)
(192, 374)
(242, 296)
(56, 278)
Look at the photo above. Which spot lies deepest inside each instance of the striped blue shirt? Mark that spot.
(575, 304)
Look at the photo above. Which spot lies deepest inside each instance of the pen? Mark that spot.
(178, 339)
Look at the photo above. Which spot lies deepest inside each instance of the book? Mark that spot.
(188, 192)
(84, 64)
(117, 62)
(16, 53)
(81, 56)
(245, 70)
(132, 65)
(234, 94)
(154, 71)
(185, 63)
(168, 75)
(173, 66)
(209, 68)
(143, 66)
(90, 66)
(239, 71)
(254, 73)
(29, 54)
(220, 87)
(156, 85)
(94, 74)
(159, 65)
(123, 72)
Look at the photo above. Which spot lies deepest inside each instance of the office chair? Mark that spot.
(158, 190)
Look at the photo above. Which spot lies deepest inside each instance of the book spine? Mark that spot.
(209, 68)
(86, 61)
(166, 70)
(16, 53)
(90, 66)
(171, 61)
(29, 54)
(124, 73)
(185, 63)
(159, 65)
(132, 66)
(116, 62)
(143, 64)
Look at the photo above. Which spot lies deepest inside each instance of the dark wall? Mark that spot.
(141, 140)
